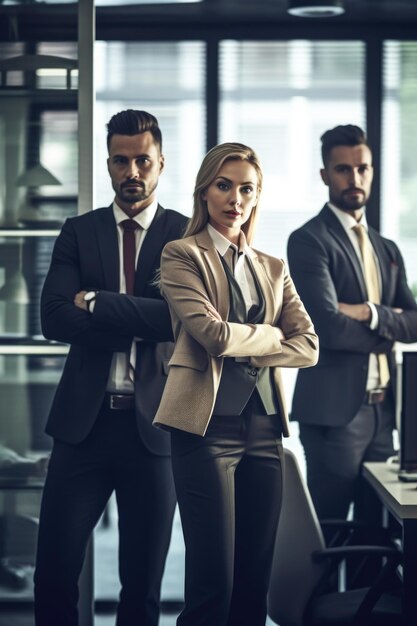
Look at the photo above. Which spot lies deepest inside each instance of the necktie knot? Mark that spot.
(129, 225)
(360, 231)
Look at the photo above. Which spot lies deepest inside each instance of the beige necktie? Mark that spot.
(372, 287)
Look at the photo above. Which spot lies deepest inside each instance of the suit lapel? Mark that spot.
(219, 285)
(219, 279)
(106, 233)
(337, 231)
(150, 251)
(262, 276)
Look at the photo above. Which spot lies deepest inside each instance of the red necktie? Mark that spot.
(129, 252)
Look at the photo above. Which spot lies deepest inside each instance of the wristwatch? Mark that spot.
(89, 297)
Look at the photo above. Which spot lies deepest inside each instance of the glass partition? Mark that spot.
(24, 261)
(38, 134)
(279, 97)
(38, 191)
(399, 140)
(168, 80)
(27, 385)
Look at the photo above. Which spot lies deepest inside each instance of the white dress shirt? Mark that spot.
(121, 372)
(241, 270)
(348, 222)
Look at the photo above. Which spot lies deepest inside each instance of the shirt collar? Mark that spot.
(144, 218)
(347, 221)
(222, 244)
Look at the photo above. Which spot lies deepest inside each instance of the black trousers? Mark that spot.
(229, 486)
(80, 480)
(335, 455)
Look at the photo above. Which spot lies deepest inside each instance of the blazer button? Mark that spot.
(253, 372)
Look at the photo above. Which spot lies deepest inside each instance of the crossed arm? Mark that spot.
(360, 312)
(341, 325)
(215, 315)
(117, 318)
(289, 342)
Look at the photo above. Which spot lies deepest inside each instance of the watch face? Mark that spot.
(90, 295)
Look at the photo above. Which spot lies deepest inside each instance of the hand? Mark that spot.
(79, 300)
(396, 310)
(213, 312)
(358, 312)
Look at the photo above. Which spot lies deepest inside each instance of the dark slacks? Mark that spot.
(335, 455)
(80, 480)
(229, 486)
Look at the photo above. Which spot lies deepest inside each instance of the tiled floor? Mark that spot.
(16, 619)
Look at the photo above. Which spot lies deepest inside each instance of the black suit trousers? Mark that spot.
(80, 480)
(334, 457)
(229, 486)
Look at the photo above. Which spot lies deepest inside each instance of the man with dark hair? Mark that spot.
(128, 122)
(353, 283)
(119, 330)
(348, 135)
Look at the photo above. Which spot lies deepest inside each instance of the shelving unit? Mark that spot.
(46, 148)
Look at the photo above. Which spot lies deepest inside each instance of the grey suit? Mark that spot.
(330, 396)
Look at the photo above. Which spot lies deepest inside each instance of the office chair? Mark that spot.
(302, 566)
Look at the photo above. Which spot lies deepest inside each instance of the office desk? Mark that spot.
(400, 499)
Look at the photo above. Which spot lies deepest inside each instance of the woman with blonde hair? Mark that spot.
(237, 320)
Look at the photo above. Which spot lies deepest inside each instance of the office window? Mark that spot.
(399, 140)
(279, 97)
(166, 79)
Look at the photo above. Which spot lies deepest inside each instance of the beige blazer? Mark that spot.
(192, 275)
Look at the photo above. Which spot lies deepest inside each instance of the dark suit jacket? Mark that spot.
(326, 270)
(86, 256)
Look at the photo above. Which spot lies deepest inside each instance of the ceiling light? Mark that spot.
(315, 8)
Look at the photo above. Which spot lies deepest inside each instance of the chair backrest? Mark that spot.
(294, 575)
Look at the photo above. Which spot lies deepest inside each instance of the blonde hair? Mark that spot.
(209, 168)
